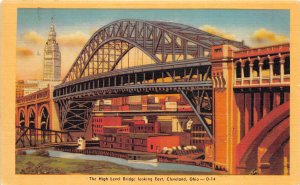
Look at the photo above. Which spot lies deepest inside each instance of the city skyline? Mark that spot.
(74, 27)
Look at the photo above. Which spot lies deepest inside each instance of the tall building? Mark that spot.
(24, 88)
(52, 68)
(52, 59)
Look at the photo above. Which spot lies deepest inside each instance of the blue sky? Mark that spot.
(233, 21)
(75, 26)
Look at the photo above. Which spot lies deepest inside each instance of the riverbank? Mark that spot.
(32, 164)
(186, 157)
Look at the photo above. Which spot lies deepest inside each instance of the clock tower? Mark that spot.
(52, 58)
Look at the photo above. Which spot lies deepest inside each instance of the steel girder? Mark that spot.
(75, 110)
(194, 82)
(74, 115)
(192, 77)
(201, 103)
(110, 92)
(161, 41)
(192, 63)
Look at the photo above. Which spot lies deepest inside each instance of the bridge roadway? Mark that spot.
(136, 79)
(125, 90)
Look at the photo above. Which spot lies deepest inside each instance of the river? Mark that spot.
(145, 165)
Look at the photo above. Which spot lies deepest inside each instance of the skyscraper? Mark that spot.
(52, 59)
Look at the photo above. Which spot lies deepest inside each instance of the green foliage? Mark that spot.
(40, 168)
(34, 164)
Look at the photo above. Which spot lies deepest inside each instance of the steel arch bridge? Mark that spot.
(169, 58)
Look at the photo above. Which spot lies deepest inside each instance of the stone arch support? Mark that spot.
(271, 144)
(32, 116)
(21, 113)
(252, 140)
(40, 115)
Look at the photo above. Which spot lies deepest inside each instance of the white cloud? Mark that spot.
(33, 37)
(218, 32)
(263, 36)
(77, 39)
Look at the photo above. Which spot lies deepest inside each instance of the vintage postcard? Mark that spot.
(150, 92)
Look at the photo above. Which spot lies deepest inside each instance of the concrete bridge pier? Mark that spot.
(250, 112)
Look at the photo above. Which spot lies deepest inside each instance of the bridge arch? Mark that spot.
(276, 66)
(247, 149)
(271, 149)
(22, 118)
(44, 118)
(265, 67)
(255, 72)
(247, 69)
(238, 71)
(32, 118)
(158, 39)
(287, 65)
(116, 61)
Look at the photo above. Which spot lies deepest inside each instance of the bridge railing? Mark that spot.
(39, 95)
(29, 137)
(272, 67)
(262, 51)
